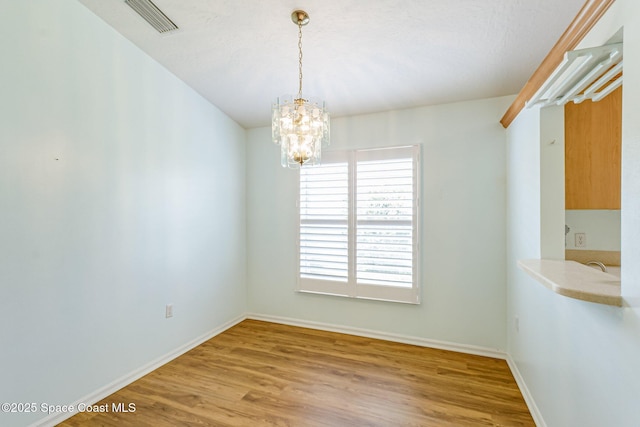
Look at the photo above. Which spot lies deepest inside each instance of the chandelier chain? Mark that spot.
(300, 59)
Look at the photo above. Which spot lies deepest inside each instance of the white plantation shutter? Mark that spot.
(324, 226)
(358, 225)
(384, 220)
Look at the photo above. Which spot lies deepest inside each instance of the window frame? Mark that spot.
(351, 288)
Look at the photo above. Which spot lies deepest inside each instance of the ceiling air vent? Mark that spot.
(152, 15)
(583, 74)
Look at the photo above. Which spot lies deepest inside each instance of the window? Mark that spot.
(358, 234)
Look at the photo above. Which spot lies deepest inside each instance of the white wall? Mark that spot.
(579, 360)
(552, 218)
(601, 227)
(121, 190)
(463, 232)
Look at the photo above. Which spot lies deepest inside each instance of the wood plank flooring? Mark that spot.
(266, 374)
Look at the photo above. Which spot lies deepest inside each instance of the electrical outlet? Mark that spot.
(516, 323)
(581, 240)
(168, 311)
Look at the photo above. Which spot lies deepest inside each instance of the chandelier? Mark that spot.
(300, 126)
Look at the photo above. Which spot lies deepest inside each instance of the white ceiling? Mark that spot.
(359, 56)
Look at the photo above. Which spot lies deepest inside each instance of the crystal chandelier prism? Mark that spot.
(300, 126)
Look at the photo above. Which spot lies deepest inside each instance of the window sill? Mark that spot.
(575, 280)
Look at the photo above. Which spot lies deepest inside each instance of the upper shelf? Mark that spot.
(575, 280)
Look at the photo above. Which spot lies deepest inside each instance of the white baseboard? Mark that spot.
(528, 397)
(121, 382)
(405, 339)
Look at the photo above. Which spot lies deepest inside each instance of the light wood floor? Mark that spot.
(266, 374)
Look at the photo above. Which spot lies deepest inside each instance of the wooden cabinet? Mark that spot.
(593, 140)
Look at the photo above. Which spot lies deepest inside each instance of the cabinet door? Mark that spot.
(593, 139)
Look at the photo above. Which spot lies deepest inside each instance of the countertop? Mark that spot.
(575, 280)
